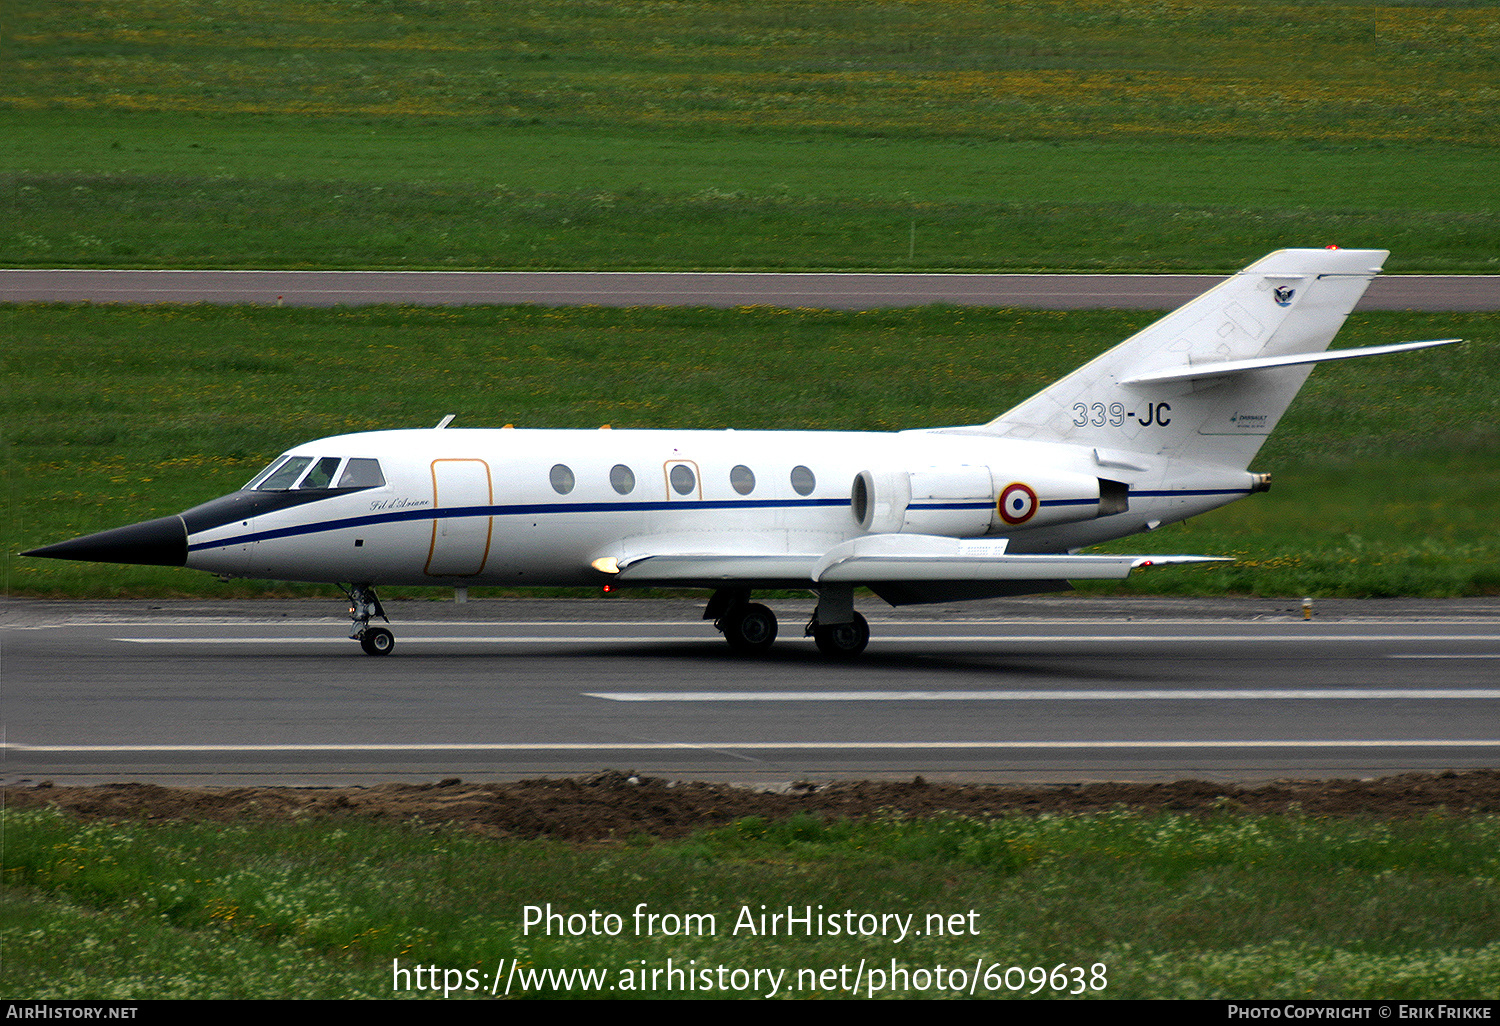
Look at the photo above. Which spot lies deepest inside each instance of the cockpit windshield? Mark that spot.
(281, 475)
(289, 472)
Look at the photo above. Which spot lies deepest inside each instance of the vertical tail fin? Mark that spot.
(1291, 302)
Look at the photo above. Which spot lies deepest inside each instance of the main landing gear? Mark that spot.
(750, 628)
(363, 605)
(840, 640)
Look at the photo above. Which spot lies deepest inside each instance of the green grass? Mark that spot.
(1386, 469)
(1056, 135)
(1173, 906)
(519, 220)
(1328, 71)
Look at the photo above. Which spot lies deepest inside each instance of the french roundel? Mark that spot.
(1017, 504)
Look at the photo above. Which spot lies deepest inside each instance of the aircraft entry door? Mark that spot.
(460, 544)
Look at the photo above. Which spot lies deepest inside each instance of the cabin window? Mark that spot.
(742, 478)
(803, 481)
(623, 478)
(683, 479)
(562, 479)
(321, 475)
(362, 473)
(284, 476)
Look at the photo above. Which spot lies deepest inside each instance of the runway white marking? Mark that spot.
(1194, 695)
(457, 639)
(1019, 623)
(668, 746)
(904, 639)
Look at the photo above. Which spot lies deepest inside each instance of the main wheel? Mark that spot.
(377, 641)
(751, 629)
(844, 640)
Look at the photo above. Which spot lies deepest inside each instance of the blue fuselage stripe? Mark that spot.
(528, 509)
(537, 508)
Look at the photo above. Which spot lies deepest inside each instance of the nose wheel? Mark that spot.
(364, 605)
(377, 641)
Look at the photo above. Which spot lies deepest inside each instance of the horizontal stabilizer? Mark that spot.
(888, 557)
(1228, 368)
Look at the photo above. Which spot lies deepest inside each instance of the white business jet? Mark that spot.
(1160, 428)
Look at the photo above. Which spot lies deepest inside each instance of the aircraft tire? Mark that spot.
(752, 630)
(845, 640)
(377, 641)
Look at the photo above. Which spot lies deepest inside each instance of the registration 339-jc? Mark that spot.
(1115, 415)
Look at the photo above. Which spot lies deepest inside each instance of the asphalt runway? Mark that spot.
(1057, 688)
(727, 289)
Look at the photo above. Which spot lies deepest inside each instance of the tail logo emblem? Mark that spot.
(1284, 295)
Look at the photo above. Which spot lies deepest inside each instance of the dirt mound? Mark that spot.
(616, 805)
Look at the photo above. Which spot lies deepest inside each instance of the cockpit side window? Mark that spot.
(362, 473)
(321, 475)
(285, 475)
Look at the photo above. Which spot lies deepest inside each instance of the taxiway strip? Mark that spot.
(854, 291)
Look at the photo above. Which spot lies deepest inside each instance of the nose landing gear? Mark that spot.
(363, 605)
(377, 641)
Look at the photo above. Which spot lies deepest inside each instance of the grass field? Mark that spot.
(1162, 906)
(932, 135)
(1393, 72)
(1386, 470)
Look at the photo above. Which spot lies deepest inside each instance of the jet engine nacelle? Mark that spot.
(967, 501)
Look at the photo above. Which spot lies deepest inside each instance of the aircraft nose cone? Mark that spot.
(161, 542)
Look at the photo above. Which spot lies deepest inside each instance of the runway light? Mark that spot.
(608, 588)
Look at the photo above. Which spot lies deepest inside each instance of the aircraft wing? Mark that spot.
(882, 558)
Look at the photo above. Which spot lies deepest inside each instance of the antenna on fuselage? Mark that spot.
(445, 422)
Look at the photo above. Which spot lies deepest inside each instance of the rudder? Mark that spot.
(1293, 301)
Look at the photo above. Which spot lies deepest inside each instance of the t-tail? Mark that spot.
(1208, 382)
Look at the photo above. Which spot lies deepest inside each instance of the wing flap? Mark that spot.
(892, 557)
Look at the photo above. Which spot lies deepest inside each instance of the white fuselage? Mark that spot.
(541, 507)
